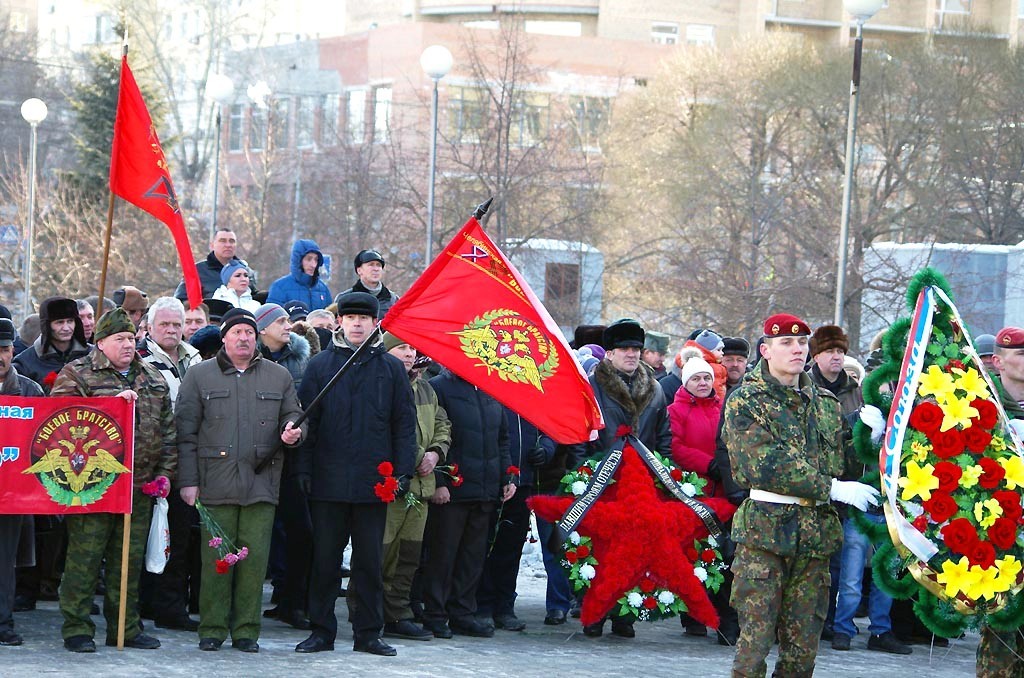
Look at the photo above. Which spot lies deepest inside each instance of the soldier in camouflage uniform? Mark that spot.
(113, 368)
(999, 653)
(785, 442)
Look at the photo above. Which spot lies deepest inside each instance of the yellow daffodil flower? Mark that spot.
(920, 451)
(1014, 467)
(970, 476)
(919, 482)
(957, 412)
(986, 583)
(937, 383)
(956, 577)
(1009, 568)
(971, 382)
(986, 512)
(998, 443)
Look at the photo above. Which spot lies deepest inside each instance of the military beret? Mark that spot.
(785, 325)
(736, 346)
(113, 322)
(623, 333)
(656, 341)
(1010, 337)
(829, 336)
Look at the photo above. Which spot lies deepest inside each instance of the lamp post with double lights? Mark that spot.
(436, 61)
(34, 112)
(861, 10)
(221, 90)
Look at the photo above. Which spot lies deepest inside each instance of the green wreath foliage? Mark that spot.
(894, 341)
(939, 616)
(890, 573)
(926, 277)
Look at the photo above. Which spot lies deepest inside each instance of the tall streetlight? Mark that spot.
(436, 61)
(221, 90)
(861, 10)
(34, 112)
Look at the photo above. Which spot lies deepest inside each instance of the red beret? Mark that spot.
(1010, 337)
(785, 325)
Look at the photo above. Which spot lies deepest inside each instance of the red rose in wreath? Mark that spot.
(707, 555)
(982, 554)
(1009, 502)
(921, 522)
(571, 556)
(583, 550)
(992, 473)
(988, 415)
(977, 439)
(960, 536)
(1003, 533)
(947, 444)
(941, 507)
(948, 474)
(926, 418)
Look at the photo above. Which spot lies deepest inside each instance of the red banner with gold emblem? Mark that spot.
(66, 455)
(473, 312)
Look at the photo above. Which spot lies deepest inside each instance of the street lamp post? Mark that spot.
(436, 61)
(861, 10)
(221, 90)
(34, 112)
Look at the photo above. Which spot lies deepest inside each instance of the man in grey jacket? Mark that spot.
(233, 413)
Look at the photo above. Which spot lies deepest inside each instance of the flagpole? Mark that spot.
(110, 217)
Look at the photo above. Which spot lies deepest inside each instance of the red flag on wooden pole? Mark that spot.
(474, 313)
(139, 174)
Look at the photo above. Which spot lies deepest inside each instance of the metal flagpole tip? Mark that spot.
(482, 208)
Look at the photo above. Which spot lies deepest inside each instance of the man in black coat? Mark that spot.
(367, 418)
(61, 340)
(460, 515)
(222, 251)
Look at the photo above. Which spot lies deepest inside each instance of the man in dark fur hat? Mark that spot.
(61, 340)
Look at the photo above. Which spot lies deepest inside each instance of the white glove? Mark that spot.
(854, 493)
(872, 416)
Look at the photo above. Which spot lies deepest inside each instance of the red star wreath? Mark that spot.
(639, 535)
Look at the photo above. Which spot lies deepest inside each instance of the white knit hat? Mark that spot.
(695, 365)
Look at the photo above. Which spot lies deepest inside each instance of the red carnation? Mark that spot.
(948, 474)
(512, 470)
(49, 379)
(585, 470)
(946, 444)
(457, 480)
(623, 431)
(650, 603)
(977, 439)
(677, 475)
(988, 415)
(1010, 503)
(941, 507)
(385, 468)
(1003, 533)
(955, 364)
(707, 555)
(960, 536)
(221, 566)
(982, 554)
(583, 550)
(920, 523)
(646, 585)
(992, 475)
(926, 418)
(454, 469)
(571, 556)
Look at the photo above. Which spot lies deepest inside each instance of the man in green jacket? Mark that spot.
(403, 531)
(113, 368)
(234, 413)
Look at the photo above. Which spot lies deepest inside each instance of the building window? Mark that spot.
(466, 113)
(665, 33)
(702, 35)
(104, 29)
(562, 292)
(235, 128)
(356, 116)
(591, 115)
(529, 120)
(304, 122)
(381, 114)
(257, 128)
(329, 109)
(279, 123)
(954, 6)
(18, 22)
(567, 29)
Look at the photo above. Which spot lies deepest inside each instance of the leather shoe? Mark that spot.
(272, 612)
(139, 642)
(293, 618)
(184, 623)
(246, 645)
(438, 628)
(210, 644)
(375, 646)
(79, 644)
(314, 643)
(841, 642)
(24, 604)
(887, 642)
(470, 626)
(509, 622)
(594, 630)
(555, 617)
(625, 630)
(695, 629)
(10, 638)
(406, 629)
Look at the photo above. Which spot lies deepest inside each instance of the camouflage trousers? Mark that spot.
(1001, 654)
(232, 601)
(92, 539)
(773, 595)
(403, 544)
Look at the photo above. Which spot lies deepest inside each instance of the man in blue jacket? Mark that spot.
(303, 283)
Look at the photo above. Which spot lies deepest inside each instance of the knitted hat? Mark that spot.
(357, 303)
(849, 362)
(113, 322)
(827, 337)
(693, 366)
(237, 316)
(230, 268)
(596, 350)
(267, 315)
(709, 340)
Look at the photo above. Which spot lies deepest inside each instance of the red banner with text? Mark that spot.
(66, 455)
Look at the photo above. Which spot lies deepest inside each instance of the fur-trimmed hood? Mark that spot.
(633, 399)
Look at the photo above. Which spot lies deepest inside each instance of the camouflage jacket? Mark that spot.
(156, 453)
(433, 431)
(787, 441)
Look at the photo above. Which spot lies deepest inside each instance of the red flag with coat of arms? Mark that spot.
(139, 174)
(474, 313)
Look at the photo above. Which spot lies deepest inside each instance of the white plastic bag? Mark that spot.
(158, 547)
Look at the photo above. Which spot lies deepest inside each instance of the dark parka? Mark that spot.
(367, 417)
(209, 277)
(640, 406)
(480, 440)
(229, 422)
